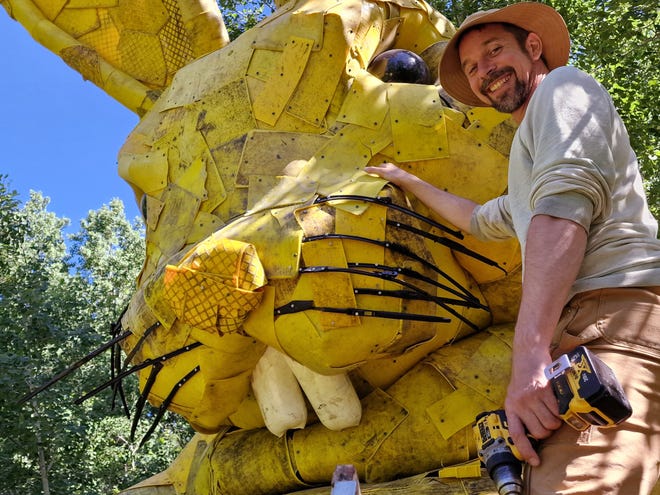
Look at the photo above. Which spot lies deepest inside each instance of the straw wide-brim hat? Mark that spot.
(541, 19)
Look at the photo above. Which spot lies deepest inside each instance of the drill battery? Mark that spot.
(587, 390)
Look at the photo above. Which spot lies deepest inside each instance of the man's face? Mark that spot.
(497, 68)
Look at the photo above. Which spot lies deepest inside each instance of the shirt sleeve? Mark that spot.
(570, 142)
(492, 220)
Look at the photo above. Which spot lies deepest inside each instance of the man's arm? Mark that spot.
(553, 254)
(455, 209)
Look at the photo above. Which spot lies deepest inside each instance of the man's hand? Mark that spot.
(531, 407)
(455, 209)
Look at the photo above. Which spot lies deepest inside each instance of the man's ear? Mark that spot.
(534, 46)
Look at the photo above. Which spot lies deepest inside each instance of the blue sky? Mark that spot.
(59, 134)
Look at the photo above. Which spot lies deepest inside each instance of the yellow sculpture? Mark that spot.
(273, 260)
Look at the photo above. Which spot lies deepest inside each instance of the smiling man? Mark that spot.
(591, 255)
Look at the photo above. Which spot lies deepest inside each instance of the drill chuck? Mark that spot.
(507, 478)
(497, 452)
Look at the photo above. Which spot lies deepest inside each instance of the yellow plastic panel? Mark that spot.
(260, 323)
(269, 152)
(203, 226)
(484, 375)
(302, 24)
(370, 224)
(345, 156)
(411, 37)
(269, 104)
(382, 415)
(278, 248)
(368, 33)
(147, 171)
(188, 176)
(360, 184)
(50, 8)
(473, 169)
(484, 120)
(288, 191)
(366, 102)
(79, 22)
(154, 208)
(263, 64)
(458, 410)
(330, 289)
(215, 188)
(171, 233)
(418, 124)
(148, 64)
(146, 16)
(506, 253)
(312, 99)
(202, 78)
(220, 398)
(230, 105)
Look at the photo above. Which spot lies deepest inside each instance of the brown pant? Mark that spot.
(621, 326)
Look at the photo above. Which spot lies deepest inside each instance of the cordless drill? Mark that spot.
(587, 393)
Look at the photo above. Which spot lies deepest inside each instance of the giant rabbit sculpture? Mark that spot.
(273, 261)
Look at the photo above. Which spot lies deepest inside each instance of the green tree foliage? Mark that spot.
(57, 302)
(240, 15)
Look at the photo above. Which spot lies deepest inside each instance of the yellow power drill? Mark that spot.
(587, 392)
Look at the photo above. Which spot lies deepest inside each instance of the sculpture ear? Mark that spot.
(534, 46)
(124, 49)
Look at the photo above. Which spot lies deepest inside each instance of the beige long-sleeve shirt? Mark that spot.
(571, 158)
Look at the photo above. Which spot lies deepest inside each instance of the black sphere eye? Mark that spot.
(400, 65)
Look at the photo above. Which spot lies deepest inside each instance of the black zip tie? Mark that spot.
(304, 305)
(138, 345)
(139, 405)
(115, 356)
(453, 245)
(73, 367)
(391, 272)
(472, 303)
(409, 295)
(137, 367)
(118, 368)
(398, 248)
(166, 403)
(387, 202)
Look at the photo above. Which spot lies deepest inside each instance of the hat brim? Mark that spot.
(538, 18)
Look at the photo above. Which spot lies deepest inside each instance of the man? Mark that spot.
(591, 265)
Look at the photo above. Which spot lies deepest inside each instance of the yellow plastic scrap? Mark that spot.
(272, 152)
(311, 101)
(216, 285)
(330, 289)
(418, 126)
(470, 469)
(270, 103)
(366, 102)
(174, 220)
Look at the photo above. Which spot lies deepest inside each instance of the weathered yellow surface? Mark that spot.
(262, 229)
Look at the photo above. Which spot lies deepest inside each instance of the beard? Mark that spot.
(513, 98)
